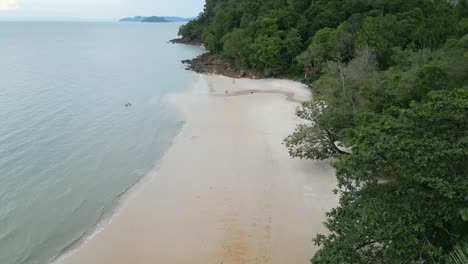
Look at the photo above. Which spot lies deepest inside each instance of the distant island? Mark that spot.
(154, 19)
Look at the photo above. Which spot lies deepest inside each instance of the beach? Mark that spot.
(226, 191)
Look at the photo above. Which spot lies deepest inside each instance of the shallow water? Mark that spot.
(69, 147)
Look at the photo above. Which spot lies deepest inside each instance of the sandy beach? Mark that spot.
(227, 191)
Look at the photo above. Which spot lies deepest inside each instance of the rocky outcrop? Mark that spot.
(187, 41)
(213, 64)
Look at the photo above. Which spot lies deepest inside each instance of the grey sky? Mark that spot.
(98, 8)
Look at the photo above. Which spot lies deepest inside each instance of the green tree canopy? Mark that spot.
(404, 187)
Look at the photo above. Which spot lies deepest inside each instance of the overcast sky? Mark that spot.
(98, 8)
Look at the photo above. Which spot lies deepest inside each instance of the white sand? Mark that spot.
(227, 191)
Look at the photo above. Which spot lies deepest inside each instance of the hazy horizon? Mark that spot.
(75, 19)
(102, 10)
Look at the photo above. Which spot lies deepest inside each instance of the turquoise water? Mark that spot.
(68, 145)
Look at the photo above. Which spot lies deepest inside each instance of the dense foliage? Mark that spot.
(391, 107)
(269, 34)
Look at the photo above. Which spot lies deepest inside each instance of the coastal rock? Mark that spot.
(213, 64)
(186, 41)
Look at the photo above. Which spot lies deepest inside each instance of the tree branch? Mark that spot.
(332, 140)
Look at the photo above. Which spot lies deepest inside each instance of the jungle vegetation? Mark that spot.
(390, 110)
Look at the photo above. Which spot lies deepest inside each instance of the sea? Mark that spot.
(84, 116)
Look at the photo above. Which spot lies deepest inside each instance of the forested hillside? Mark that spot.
(391, 108)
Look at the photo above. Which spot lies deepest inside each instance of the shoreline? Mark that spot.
(170, 187)
(107, 217)
(117, 206)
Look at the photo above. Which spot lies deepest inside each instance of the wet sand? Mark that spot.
(227, 191)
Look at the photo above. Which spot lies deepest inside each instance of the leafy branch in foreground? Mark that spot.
(459, 255)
